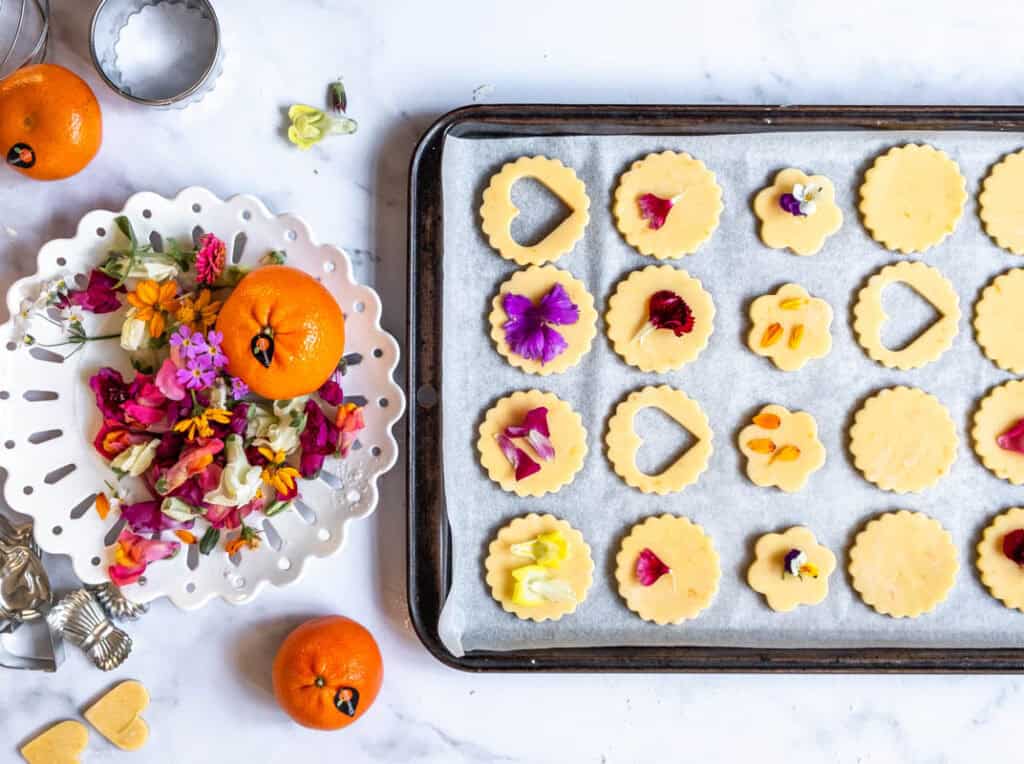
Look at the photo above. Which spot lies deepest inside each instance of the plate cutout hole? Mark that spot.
(35, 396)
(44, 436)
(197, 208)
(323, 534)
(378, 353)
(55, 476)
(115, 530)
(156, 241)
(27, 490)
(192, 560)
(308, 515)
(331, 479)
(238, 247)
(909, 316)
(540, 212)
(42, 354)
(664, 440)
(147, 214)
(8, 444)
(284, 564)
(62, 261)
(272, 536)
(329, 266)
(246, 215)
(56, 530)
(95, 561)
(83, 506)
(197, 234)
(375, 451)
(190, 588)
(101, 232)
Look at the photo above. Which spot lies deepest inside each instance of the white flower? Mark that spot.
(158, 270)
(136, 459)
(72, 314)
(179, 510)
(133, 332)
(239, 480)
(219, 394)
(806, 195)
(279, 431)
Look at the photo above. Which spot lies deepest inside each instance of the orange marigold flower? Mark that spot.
(152, 302)
(102, 505)
(198, 313)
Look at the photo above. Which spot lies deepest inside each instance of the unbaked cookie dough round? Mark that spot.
(535, 283)
(998, 555)
(673, 344)
(998, 317)
(782, 448)
(791, 569)
(667, 569)
(568, 579)
(912, 198)
(497, 211)
(869, 315)
(903, 564)
(1001, 203)
(679, 180)
(999, 422)
(903, 440)
(790, 327)
(567, 434)
(623, 441)
(798, 211)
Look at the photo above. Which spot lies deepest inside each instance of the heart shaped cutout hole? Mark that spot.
(664, 440)
(541, 211)
(910, 315)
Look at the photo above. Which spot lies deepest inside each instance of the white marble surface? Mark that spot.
(405, 63)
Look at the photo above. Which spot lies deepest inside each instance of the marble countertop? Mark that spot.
(404, 64)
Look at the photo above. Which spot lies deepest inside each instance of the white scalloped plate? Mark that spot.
(48, 417)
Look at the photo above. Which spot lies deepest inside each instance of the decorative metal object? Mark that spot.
(82, 621)
(116, 605)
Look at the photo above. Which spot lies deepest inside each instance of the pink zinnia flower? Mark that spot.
(210, 259)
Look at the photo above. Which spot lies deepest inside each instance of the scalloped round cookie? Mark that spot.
(1003, 577)
(497, 211)
(998, 412)
(790, 327)
(782, 448)
(660, 350)
(912, 198)
(689, 585)
(903, 440)
(903, 564)
(623, 441)
(803, 233)
(783, 591)
(1001, 203)
(534, 283)
(568, 436)
(696, 208)
(577, 569)
(998, 317)
(870, 316)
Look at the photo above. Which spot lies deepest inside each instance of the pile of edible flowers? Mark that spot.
(194, 454)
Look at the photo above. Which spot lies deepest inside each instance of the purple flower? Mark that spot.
(189, 343)
(212, 350)
(239, 419)
(331, 391)
(238, 389)
(527, 331)
(535, 429)
(197, 374)
(99, 296)
(790, 204)
(318, 440)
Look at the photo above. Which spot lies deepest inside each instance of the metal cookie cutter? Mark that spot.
(163, 53)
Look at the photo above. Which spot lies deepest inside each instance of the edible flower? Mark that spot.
(111, 392)
(153, 302)
(239, 480)
(330, 391)
(198, 373)
(310, 125)
(247, 539)
(348, 421)
(535, 429)
(795, 563)
(149, 517)
(800, 201)
(213, 351)
(649, 567)
(114, 437)
(667, 310)
(198, 313)
(167, 380)
(654, 209)
(534, 585)
(198, 425)
(238, 389)
(133, 332)
(282, 477)
(521, 462)
(527, 330)
(191, 462)
(1013, 439)
(187, 341)
(179, 510)
(210, 259)
(134, 553)
(99, 295)
(547, 549)
(318, 439)
(135, 459)
(1013, 546)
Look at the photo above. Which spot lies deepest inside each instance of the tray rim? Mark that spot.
(428, 536)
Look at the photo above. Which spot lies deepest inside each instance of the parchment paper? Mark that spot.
(731, 383)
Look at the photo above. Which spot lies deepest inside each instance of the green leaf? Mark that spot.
(209, 540)
(125, 225)
(277, 508)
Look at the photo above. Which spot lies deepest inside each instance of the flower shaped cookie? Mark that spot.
(790, 327)
(782, 448)
(798, 211)
(791, 569)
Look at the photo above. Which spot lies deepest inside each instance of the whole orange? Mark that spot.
(50, 122)
(284, 333)
(327, 672)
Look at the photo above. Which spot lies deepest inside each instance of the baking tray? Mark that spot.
(429, 566)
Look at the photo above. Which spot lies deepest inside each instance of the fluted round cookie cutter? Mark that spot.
(166, 88)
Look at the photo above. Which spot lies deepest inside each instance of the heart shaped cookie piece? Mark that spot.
(60, 744)
(117, 716)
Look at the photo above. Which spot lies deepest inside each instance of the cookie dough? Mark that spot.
(691, 582)
(782, 448)
(60, 744)
(1002, 575)
(117, 716)
(769, 574)
(903, 564)
(694, 215)
(785, 222)
(903, 440)
(497, 211)
(623, 442)
(998, 317)
(999, 412)
(1001, 203)
(869, 315)
(912, 198)
(790, 327)
(576, 570)
(567, 434)
(629, 312)
(534, 283)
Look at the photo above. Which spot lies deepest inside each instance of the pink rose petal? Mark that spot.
(1013, 439)
(654, 210)
(649, 567)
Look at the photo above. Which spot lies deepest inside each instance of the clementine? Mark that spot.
(284, 333)
(327, 672)
(50, 122)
